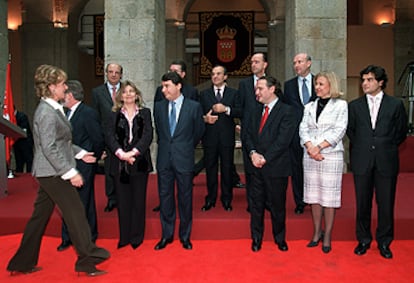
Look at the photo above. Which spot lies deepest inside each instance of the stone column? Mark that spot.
(4, 47)
(276, 50)
(134, 37)
(318, 27)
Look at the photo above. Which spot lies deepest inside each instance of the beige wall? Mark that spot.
(369, 44)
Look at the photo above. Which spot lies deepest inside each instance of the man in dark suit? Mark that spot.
(221, 105)
(179, 126)
(298, 91)
(102, 100)
(270, 132)
(377, 125)
(248, 104)
(187, 90)
(86, 133)
(23, 147)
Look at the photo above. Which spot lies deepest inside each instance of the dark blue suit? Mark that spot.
(291, 97)
(87, 133)
(175, 164)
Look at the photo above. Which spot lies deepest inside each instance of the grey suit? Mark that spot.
(54, 156)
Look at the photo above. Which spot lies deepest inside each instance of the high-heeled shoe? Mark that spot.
(17, 272)
(326, 249)
(313, 244)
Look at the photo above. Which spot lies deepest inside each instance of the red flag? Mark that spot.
(8, 112)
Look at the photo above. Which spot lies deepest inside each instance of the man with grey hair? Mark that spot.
(86, 133)
(298, 91)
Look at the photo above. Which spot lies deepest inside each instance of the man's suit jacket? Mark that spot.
(54, 151)
(86, 130)
(377, 147)
(178, 151)
(291, 95)
(248, 104)
(223, 131)
(187, 90)
(274, 140)
(102, 102)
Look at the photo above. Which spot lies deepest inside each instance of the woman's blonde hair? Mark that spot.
(333, 82)
(118, 98)
(46, 75)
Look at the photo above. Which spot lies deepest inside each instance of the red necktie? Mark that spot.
(264, 118)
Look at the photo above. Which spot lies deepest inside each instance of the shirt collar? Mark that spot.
(56, 105)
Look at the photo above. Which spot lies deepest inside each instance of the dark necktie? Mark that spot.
(218, 95)
(68, 113)
(173, 117)
(264, 118)
(305, 92)
(113, 93)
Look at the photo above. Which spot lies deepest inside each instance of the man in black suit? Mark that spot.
(23, 147)
(270, 132)
(86, 133)
(102, 100)
(220, 105)
(187, 90)
(298, 91)
(179, 126)
(377, 125)
(248, 104)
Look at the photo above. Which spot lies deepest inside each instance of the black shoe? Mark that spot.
(227, 206)
(109, 207)
(239, 185)
(157, 208)
(256, 245)
(28, 271)
(64, 245)
(326, 249)
(299, 209)
(282, 246)
(120, 246)
(94, 273)
(135, 246)
(208, 205)
(187, 245)
(313, 244)
(362, 248)
(162, 244)
(385, 251)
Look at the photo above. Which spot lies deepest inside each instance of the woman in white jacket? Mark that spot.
(321, 131)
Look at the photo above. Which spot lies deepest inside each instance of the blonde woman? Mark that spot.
(128, 137)
(321, 131)
(54, 167)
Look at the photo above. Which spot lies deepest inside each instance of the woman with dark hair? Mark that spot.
(54, 167)
(128, 137)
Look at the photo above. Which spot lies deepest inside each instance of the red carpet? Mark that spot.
(211, 225)
(220, 261)
(221, 244)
